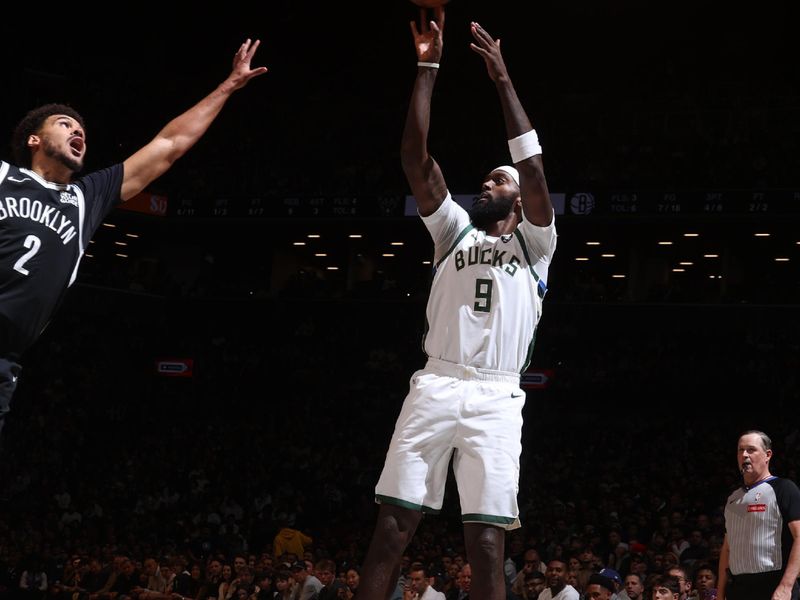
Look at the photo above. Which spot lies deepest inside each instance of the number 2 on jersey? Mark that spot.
(32, 242)
(483, 295)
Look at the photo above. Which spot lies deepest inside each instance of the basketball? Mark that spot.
(430, 3)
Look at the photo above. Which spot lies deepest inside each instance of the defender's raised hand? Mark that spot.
(242, 73)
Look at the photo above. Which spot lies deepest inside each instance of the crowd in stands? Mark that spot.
(116, 479)
(253, 477)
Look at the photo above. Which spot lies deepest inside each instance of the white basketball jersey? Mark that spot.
(486, 296)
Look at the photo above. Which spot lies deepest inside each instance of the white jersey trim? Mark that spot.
(81, 215)
(43, 182)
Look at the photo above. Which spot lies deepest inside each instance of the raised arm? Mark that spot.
(536, 204)
(180, 134)
(422, 172)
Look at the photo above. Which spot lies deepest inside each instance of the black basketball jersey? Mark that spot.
(44, 229)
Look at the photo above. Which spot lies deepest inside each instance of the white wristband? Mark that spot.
(430, 65)
(524, 146)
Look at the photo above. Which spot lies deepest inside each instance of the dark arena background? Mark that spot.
(234, 353)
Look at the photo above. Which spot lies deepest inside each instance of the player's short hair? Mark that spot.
(30, 124)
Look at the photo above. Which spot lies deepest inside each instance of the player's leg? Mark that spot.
(393, 532)
(486, 466)
(9, 371)
(412, 481)
(489, 507)
(485, 544)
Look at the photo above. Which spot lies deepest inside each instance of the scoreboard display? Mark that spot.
(579, 204)
(689, 203)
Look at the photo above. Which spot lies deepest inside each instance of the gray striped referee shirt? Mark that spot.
(757, 525)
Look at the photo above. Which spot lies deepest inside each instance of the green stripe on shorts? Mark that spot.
(404, 504)
(479, 518)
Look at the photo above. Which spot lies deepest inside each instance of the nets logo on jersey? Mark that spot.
(68, 198)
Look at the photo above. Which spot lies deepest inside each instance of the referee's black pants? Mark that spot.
(756, 586)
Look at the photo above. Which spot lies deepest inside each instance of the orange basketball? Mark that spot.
(430, 3)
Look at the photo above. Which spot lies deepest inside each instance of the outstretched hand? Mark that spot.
(242, 73)
(489, 49)
(428, 41)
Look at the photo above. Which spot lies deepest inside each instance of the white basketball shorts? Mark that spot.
(476, 413)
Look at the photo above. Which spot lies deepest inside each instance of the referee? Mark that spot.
(760, 559)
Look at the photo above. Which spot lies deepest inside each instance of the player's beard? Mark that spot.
(51, 151)
(484, 214)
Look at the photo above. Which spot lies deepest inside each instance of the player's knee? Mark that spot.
(396, 525)
(486, 543)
